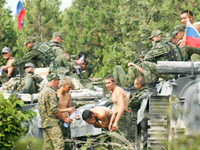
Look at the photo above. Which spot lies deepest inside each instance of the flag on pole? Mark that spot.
(20, 15)
(192, 36)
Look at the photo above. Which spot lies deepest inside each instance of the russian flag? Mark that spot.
(20, 15)
(192, 36)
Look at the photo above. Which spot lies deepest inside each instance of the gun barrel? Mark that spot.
(178, 67)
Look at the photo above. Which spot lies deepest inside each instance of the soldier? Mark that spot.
(49, 112)
(8, 72)
(63, 66)
(134, 100)
(134, 70)
(98, 116)
(159, 52)
(121, 118)
(175, 51)
(30, 81)
(34, 56)
(55, 43)
(188, 53)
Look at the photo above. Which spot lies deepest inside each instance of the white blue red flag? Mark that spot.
(192, 36)
(20, 15)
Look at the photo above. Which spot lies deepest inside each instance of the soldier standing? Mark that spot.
(49, 112)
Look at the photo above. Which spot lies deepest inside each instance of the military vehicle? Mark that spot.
(79, 97)
(171, 111)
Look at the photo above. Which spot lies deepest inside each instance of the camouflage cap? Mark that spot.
(57, 34)
(155, 33)
(52, 76)
(6, 50)
(169, 36)
(180, 28)
(29, 65)
(29, 39)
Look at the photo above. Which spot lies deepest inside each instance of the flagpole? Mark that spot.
(20, 73)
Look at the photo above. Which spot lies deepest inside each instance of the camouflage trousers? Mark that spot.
(125, 79)
(53, 138)
(3, 78)
(151, 73)
(126, 128)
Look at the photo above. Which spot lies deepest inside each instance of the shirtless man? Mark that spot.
(119, 99)
(65, 98)
(98, 116)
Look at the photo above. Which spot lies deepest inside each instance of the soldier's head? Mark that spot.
(139, 83)
(6, 52)
(57, 37)
(110, 82)
(88, 116)
(29, 41)
(29, 68)
(171, 37)
(53, 80)
(179, 31)
(155, 35)
(66, 85)
(186, 14)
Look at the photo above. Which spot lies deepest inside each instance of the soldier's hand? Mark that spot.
(68, 120)
(71, 110)
(110, 126)
(4, 68)
(181, 43)
(130, 64)
(114, 127)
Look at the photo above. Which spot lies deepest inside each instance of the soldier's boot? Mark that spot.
(151, 88)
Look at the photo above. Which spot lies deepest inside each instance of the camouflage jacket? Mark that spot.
(29, 84)
(159, 52)
(56, 47)
(61, 65)
(188, 51)
(33, 56)
(48, 107)
(134, 101)
(175, 51)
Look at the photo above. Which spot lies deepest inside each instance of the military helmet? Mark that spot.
(29, 39)
(52, 76)
(169, 36)
(57, 34)
(29, 65)
(155, 33)
(180, 28)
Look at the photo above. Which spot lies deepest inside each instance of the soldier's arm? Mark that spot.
(26, 58)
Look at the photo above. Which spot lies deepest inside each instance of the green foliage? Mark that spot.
(11, 118)
(28, 143)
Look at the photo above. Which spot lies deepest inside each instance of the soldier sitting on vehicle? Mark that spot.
(134, 70)
(30, 81)
(64, 67)
(7, 73)
(134, 100)
(98, 116)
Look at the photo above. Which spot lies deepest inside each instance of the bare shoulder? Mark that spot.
(119, 90)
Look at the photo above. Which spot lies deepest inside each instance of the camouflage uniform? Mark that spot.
(33, 56)
(159, 52)
(62, 66)
(48, 107)
(29, 83)
(56, 47)
(134, 101)
(190, 53)
(124, 79)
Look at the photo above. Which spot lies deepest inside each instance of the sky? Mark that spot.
(12, 4)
